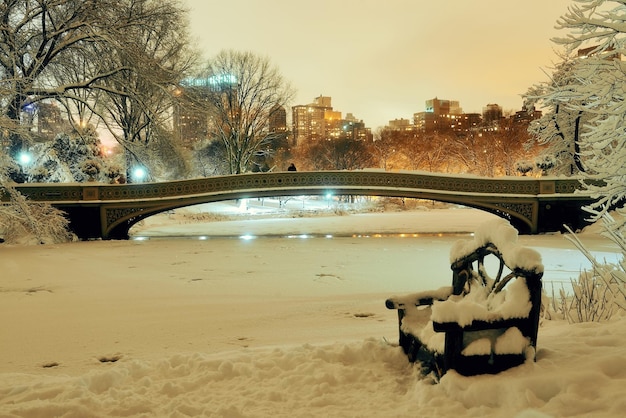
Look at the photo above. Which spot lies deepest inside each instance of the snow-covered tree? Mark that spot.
(71, 50)
(584, 124)
(74, 157)
(591, 93)
(25, 222)
(160, 56)
(596, 88)
(560, 127)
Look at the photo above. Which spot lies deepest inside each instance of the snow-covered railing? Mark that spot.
(480, 324)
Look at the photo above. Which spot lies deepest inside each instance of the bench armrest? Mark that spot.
(419, 299)
(480, 325)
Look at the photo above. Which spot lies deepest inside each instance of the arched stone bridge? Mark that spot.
(107, 211)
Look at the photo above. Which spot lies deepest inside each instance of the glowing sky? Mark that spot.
(382, 59)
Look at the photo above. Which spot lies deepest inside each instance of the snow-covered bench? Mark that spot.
(480, 324)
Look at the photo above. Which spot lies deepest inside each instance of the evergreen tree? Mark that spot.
(242, 92)
(74, 157)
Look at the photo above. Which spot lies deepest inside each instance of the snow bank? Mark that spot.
(580, 372)
(280, 328)
(334, 380)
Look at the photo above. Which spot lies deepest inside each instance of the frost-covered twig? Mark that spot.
(597, 293)
(23, 222)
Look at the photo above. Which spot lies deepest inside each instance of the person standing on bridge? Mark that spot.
(292, 167)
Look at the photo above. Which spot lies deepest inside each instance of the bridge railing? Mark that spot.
(56, 192)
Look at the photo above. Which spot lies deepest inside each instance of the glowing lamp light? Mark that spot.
(24, 158)
(139, 174)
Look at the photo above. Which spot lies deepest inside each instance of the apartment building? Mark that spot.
(318, 120)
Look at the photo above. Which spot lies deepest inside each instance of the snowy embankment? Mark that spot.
(268, 327)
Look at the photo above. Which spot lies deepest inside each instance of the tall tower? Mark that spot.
(492, 113)
(278, 119)
(440, 115)
(191, 118)
(308, 121)
(48, 120)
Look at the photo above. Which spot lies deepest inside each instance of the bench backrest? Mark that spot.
(471, 270)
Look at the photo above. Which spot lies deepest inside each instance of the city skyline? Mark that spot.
(383, 63)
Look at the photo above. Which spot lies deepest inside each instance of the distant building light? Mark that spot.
(211, 81)
(222, 79)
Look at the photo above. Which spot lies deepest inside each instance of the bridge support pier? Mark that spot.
(554, 214)
(85, 222)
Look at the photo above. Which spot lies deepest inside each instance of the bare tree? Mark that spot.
(37, 37)
(156, 56)
(68, 50)
(386, 146)
(429, 152)
(242, 90)
(336, 154)
(515, 147)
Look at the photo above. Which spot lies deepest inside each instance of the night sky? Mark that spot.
(380, 60)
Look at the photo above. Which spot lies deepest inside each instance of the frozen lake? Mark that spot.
(414, 242)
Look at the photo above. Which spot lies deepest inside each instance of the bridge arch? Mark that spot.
(121, 226)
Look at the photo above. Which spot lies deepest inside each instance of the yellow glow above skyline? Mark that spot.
(388, 58)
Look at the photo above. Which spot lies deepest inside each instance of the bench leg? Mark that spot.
(453, 348)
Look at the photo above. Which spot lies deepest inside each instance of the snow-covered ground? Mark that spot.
(274, 326)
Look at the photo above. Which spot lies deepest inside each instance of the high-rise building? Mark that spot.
(492, 115)
(443, 107)
(49, 122)
(467, 122)
(526, 115)
(401, 125)
(190, 121)
(440, 115)
(308, 121)
(277, 126)
(278, 119)
(190, 115)
(318, 120)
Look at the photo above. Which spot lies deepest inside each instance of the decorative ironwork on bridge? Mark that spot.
(108, 211)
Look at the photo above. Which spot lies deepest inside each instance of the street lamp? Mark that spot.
(24, 158)
(139, 174)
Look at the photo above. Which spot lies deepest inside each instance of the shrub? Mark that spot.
(599, 293)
